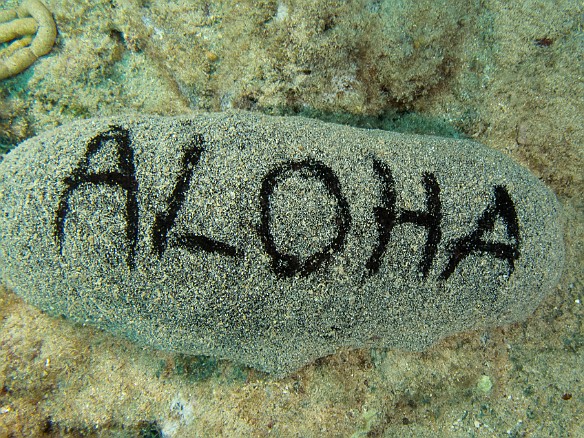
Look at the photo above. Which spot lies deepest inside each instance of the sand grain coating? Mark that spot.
(273, 241)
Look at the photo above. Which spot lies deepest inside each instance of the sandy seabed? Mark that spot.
(506, 74)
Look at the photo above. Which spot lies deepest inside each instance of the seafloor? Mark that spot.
(508, 74)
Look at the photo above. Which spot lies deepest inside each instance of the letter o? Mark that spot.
(289, 265)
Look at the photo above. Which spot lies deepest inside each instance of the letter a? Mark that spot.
(474, 242)
(125, 178)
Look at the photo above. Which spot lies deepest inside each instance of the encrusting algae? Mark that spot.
(32, 16)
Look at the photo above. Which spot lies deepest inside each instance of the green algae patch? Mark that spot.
(485, 384)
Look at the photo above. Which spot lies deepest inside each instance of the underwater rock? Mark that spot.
(273, 241)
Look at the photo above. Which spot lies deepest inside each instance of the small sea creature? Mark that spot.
(31, 17)
(273, 241)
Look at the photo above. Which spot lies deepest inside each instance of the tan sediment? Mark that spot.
(12, 27)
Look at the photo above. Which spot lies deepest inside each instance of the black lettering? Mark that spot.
(388, 216)
(289, 265)
(125, 178)
(503, 208)
(165, 221)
